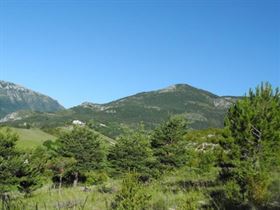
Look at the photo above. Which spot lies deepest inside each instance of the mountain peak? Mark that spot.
(170, 88)
(12, 86)
(87, 104)
(15, 97)
(186, 88)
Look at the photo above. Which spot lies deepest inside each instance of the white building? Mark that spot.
(78, 122)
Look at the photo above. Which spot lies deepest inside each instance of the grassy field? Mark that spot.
(33, 137)
(68, 198)
(30, 138)
(100, 197)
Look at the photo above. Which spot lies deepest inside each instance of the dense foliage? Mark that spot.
(252, 148)
(79, 151)
(169, 145)
(9, 161)
(17, 170)
(133, 152)
(85, 146)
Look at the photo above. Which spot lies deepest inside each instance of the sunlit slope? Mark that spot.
(30, 138)
(33, 137)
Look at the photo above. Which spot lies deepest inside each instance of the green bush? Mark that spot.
(132, 195)
(95, 178)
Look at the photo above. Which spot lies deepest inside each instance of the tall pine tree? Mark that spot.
(253, 146)
(168, 143)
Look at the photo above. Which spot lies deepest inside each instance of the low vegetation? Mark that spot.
(31, 138)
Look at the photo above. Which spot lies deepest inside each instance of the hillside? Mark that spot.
(14, 97)
(33, 137)
(202, 109)
(30, 138)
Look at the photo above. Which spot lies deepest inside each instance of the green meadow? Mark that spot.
(31, 138)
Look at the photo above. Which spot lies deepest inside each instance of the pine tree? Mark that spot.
(29, 173)
(9, 161)
(253, 145)
(132, 152)
(168, 143)
(85, 147)
(16, 169)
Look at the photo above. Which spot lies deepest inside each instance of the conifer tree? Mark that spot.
(133, 152)
(168, 143)
(10, 161)
(17, 171)
(85, 147)
(253, 145)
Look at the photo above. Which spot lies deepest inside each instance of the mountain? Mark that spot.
(202, 109)
(14, 97)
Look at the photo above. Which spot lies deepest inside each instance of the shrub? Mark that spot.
(132, 195)
(95, 178)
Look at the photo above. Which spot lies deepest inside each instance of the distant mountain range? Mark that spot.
(202, 109)
(15, 97)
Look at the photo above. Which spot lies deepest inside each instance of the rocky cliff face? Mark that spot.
(14, 97)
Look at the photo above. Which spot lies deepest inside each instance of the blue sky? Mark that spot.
(98, 51)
